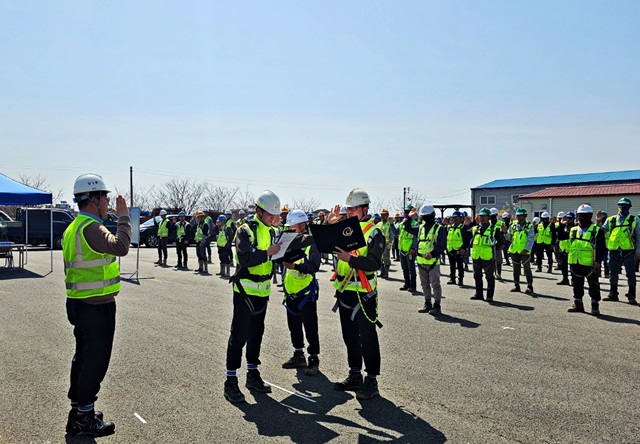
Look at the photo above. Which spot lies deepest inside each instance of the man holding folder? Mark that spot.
(357, 298)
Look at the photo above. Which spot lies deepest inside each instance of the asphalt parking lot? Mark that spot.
(520, 370)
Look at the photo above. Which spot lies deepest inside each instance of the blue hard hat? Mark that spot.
(182, 213)
(464, 214)
(309, 214)
(222, 218)
(456, 214)
(377, 216)
(438, 219)
(570, 215)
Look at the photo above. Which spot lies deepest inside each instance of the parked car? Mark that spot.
(149, 232)
(39, 226)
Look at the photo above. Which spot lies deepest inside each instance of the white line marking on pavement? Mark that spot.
(139, 417)
(508, 328)
(290, 392)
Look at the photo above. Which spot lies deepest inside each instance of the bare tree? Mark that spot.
(245, 200)
(217, 198)
(39, 182)
(181, 194)
(415, 198)
(306, 204)
(143, 198)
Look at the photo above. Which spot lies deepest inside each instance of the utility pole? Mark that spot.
(405, 197)
(130, 186)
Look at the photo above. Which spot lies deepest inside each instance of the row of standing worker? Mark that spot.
(92, 280)
(582, 247)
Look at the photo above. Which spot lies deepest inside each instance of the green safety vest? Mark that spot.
(163, 228)
(87, 273)
(426, 243)
(199, 235)
(385, 227)
(256, 280)
(519, 236)
(454, 237)
(221, 240)
(564, 244)
(582, 247)
(343, 268)
(621, 236)
(482, 245)
(496, 227)
(544, 234)
(405, 239)
(294, 281)
(180, 233)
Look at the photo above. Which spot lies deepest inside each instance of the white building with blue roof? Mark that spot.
(505, 194)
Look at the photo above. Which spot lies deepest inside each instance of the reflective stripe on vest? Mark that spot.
(544, 234)
(294, 281)
(87, 272)
(221, 240)
(344, 269)
(454, 237)
(385, 227)
(199, 235)
(519, 236)
(582, 247)
(163, 229)
(621, 236)
(426, 243)
(258, 279)
(181, 231)
(405, 239)
(482, 246)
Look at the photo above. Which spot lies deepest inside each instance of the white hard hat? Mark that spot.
(343, 210)
(88, 183)
(357, 197)
(494, 211)
(545, 215)
(536, 220)
(426, 209)
(560, 214)
(505, 215)
(269, 202)
(295, 217)
(163, 212)
(585, 208)
(227, 211)
(241, 212)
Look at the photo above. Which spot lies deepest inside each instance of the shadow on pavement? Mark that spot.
(618, 320)
(68, 439)
(510, 305)
(454, 320)
(546, 296)
(17, 273)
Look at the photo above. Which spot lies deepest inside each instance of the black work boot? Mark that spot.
(564, 281)
(89, 424)
(369, 389)
(353, 382)
(297, 360)
(178, 265)
(477, 297)
(232, 392)
(313, 367)
(631, 295)
(489, 297)
(577, 307)
(595, 308)
(436, 310)
(404, 287)
(529, 289)
(254, 381)
(72, 415)
(515, 289)
(426, 308)
(451, 281)
(460, 282)
(613, 294)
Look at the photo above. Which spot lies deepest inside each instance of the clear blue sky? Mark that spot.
(314, 98)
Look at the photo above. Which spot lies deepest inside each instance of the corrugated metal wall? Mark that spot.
(556, 204)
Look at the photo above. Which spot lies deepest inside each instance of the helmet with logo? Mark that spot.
(269, 202)
(163, 212)
(181, 214)
(521, 212)
(295, 217)
(584, 209)
(560, 214)
(456, 214)
(384, 211)
(88, 183)
(494, 211)
(357, 197)
(426, 209)
(484, 212)
(570, 215)
(625, 201)
(545, 215)
(222, 218)
(227, 211)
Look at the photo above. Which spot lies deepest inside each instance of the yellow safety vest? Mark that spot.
(221, 240)
(454, 237)
(544, 234)
(180, 233)
(87, 273)
(163, 228)
(256, 280)
(199, 234)
(405, 239)
(295, 281)
(621, 236)
(426, 243)
(385, 227)
(519, 236)
(482, 245)
(582, 247)
(344, 269)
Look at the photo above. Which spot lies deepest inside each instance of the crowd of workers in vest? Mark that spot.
(418, 239)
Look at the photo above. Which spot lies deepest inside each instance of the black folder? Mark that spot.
(346, 234)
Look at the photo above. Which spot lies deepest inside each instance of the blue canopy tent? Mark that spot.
(16, 193)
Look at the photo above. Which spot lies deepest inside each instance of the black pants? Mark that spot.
(563, 259)
(456, 262)
(246, 329)
(181, 252)
(224, 254)
(542, 249)
(94, 328)
(408, 270)
(578, 275)
(201, 251)
(162, 248)
(394, 249)
(488, 267)
(208, 250)
(309, 318)
(360, 336)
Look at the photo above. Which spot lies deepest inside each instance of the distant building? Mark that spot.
(508, 194)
